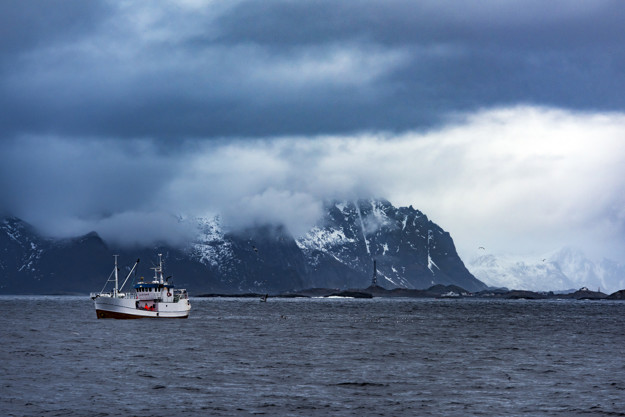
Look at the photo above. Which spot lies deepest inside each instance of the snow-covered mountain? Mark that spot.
(410, 250)
(565, 269)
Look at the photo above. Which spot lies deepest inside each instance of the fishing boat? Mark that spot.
(157, 298)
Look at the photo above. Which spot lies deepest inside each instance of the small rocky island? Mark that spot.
(436, 291)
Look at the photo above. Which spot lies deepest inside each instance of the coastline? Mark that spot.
(436, 291)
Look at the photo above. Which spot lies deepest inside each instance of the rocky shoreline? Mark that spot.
(436, 291)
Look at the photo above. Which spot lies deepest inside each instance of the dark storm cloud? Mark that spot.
(86, 179)
(68, 187)
(179, 70)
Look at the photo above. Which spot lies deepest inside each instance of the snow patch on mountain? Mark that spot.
(431, 264)
(323, 239)
(341, 206)
(15, 231)
(21, 236)
(210, 246)
(362, 227)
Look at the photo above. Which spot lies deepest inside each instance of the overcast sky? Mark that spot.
(503, 121)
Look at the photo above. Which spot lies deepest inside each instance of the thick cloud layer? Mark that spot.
(503, 121)
(209, 69)
(518, 180)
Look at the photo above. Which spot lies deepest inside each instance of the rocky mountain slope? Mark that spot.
(410, 250)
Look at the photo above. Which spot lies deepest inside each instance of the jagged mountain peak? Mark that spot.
(410, 250)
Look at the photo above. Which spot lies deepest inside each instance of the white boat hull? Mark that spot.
(126, 308)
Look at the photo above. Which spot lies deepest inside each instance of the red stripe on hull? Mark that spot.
(103, 314)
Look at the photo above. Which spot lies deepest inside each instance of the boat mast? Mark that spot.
(160, 267)
(158, 270)
(116, 277)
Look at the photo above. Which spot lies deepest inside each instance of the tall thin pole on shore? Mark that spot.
(374, 280)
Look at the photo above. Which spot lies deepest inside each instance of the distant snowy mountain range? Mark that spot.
(562, 270)
(411, 252)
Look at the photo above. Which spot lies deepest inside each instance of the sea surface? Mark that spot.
(315, 357)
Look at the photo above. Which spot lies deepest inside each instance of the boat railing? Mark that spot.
(94, 295)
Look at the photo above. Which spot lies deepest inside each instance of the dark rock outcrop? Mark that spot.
(619, 295)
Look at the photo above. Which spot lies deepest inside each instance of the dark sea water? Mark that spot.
(315, 357)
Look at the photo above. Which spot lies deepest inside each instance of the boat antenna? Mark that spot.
(160, 267)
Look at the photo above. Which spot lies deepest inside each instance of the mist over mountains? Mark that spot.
(565, 269)
(411, 252)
